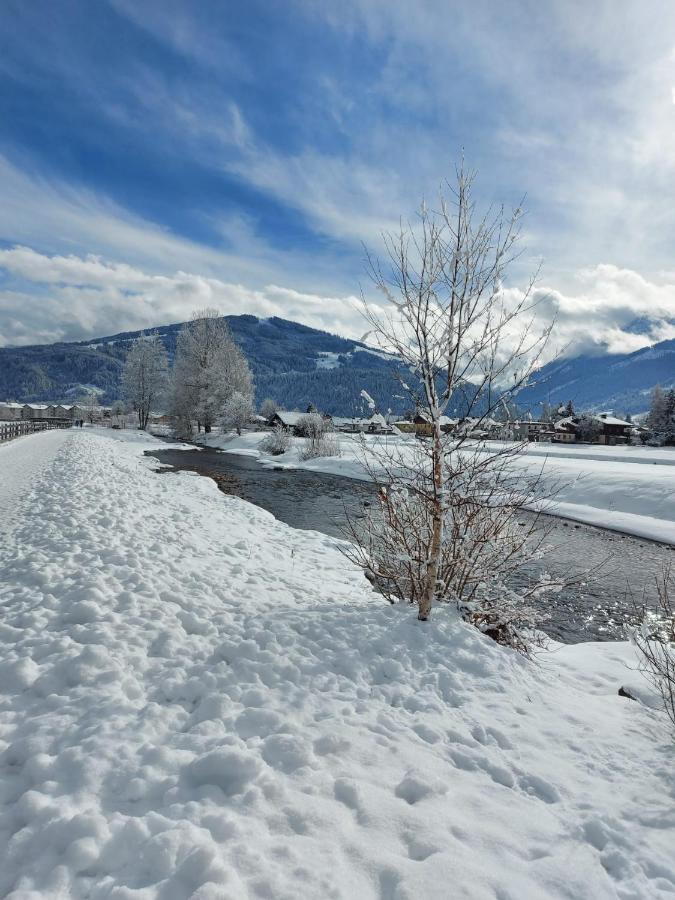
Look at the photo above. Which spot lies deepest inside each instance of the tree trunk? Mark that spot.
(433, 563)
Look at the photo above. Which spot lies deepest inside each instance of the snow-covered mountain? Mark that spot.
(619, 381)
(297, 365)
(292, 363)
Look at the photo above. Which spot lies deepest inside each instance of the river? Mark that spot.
(595, 610)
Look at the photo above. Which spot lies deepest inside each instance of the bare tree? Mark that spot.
(654, 639)
(276, 442)
(145, 376)
(209, 367)
(321, 441)
(238, 411)
(446, 524)
(91, 406)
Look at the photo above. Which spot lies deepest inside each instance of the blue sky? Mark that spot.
(158, 157)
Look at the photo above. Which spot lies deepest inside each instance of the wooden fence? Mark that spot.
(9, 430)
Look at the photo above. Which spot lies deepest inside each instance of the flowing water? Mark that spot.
(596, 609)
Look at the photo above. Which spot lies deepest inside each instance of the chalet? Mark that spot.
(289, 421)
(565, 431)
(376, 424)
(37, 411)
(535, 431)
(422, 426)
(613, 429)
(10, 411)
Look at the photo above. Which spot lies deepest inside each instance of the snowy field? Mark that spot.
(197, 700)
(629, 489)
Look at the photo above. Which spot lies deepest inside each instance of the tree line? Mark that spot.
(210, 381)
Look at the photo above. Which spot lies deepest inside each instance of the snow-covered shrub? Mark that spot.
(326, 444)
(321, 441)
(276, 442)
(655, 643)
(238, 411)
(312, 425)
(484, 541)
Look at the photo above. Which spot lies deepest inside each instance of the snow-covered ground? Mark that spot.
(197, 700)
(629, 489)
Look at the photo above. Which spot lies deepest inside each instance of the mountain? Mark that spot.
(621, 381)
(292, 363)
(297, 365)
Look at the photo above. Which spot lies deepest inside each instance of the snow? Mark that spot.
(197, 700)
(328, 360)
(627, 489)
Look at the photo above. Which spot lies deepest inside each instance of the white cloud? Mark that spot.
(71, 298)
(74, 298)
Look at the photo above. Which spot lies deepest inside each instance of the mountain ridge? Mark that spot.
(297, 365)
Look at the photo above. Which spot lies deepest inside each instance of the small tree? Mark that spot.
(145, 376)
(238, 411)
(448, 516)
(276, 442)
(321, 440)
(588, 428)
(268, 407)
(655, 643)
(91, 406)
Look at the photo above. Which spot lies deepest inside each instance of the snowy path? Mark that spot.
(22, 461)
(199, 701)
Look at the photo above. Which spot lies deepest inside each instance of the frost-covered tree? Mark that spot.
(446, 526)
(268, 407)
(209, 368)
(91, 406)
(588, 428)
(661, 416)
(145, 376)
(238, 411)
(276, 442)
(321, 441)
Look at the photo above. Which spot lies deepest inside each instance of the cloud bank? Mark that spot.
(59, 298)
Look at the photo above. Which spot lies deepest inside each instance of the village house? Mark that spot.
(613, 429)
(565, 431)
(37, 411)
(376, 424)
(420, 424)
(534, 431)
(289, 421)
(10, 411)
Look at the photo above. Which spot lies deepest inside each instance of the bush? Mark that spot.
(276, 442)
(655, 643)
(326, 444)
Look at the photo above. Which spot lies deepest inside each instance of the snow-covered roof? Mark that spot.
(12, 405)
(609, 419)
(377, 419)
(289, 418)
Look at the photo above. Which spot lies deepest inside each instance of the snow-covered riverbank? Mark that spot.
(197, 700)
(628, 489)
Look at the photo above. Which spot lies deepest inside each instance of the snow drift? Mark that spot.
(199, 701)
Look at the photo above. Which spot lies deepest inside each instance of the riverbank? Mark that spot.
(198, 700)
(627, 489)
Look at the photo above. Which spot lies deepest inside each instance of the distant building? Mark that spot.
(376, 424)
(614, 430)
(287, 420)
(10, 411)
